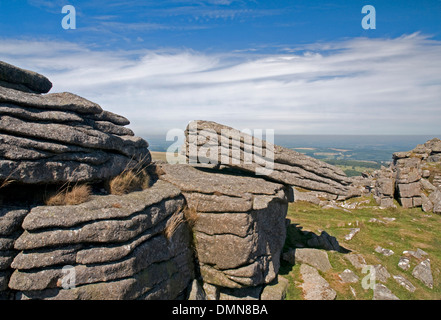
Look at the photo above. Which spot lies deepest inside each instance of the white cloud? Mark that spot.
(356, 86)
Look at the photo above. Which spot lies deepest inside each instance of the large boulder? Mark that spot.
(60, 137)
(222, 145)
(115, 246)
(239, 226)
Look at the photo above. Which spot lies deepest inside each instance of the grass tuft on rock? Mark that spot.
(70, 196)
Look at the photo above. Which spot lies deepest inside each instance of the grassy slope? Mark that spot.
(412, 229)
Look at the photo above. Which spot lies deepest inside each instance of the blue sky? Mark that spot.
(293, 66)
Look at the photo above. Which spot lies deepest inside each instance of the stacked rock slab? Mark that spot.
(59, 137)
(407, 181)
(415, 172)
(217, 144)
(411, 179)
(240, 226)
(112, 247)
(10, 228)
(384, 187)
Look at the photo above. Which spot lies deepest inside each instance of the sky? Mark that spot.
(295, 66)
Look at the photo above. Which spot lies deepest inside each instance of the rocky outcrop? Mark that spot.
(412, 179)
(59, 137)
(239, 227)
(140, 245)
(219, 145)
(114, 246)
(384, 190)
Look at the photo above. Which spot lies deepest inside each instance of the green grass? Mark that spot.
(412, 229)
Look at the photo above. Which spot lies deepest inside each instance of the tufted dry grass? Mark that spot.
(70, 196)
(133, 178)
(188, 216)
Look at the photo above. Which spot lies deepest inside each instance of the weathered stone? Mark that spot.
(404, 283)
(409, 190)
(423, 273)
(386, 203)
(33, 114)
(426, 185)
(348, 276)
(101, 231)
(109, 127)
(383, 251)
(305, 196)
(53, 101)
(60, 137)
(357, 260)
(384, 187)
(275, 290)
(44, 258)
(289, 167)
(100, 208)
(406, 202)
(11, 220)
(21, 79)
(434, 145)
(352, 233)
(418, 254)
(435, 198)
(314, 286)
(314, 257)
(165, 280)
(381, 273)
(427, 205)
(211, 291)
(109, 117)
(191, 180)
(381, 292)
(74, 135)
(404, 263)
(158, 266)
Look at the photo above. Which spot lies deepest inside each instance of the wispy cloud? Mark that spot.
(355, 86)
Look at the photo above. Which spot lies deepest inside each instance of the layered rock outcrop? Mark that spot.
(133, 246)
(412, 178)
(210, 142)
(59, 137)
(114, 246)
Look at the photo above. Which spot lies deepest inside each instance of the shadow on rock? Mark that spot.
(297, 238)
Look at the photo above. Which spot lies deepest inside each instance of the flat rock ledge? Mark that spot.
(221, 145)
